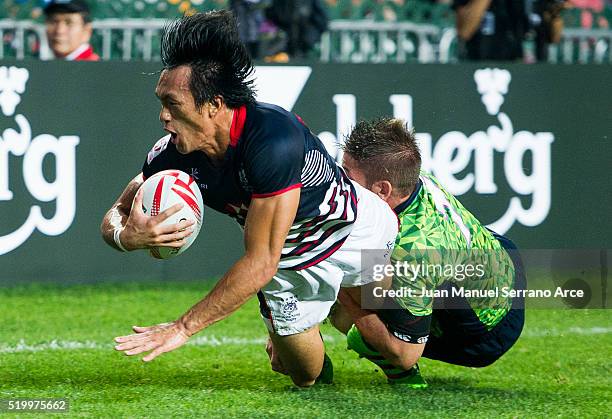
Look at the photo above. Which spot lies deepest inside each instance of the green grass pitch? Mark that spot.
(56, 341)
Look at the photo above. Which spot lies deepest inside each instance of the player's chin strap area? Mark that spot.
(411, 378)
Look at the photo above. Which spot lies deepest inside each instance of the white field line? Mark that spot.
(571, 331)
(23, 346)
(54, 345)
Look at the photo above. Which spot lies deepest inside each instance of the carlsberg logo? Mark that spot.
(19, 143)
(454, 151)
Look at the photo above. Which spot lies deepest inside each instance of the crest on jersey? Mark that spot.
(158, 148)
(289, 306)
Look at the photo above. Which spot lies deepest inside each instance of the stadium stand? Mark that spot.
(360, 30)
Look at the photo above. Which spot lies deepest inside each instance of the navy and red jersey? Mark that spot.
(271, 151)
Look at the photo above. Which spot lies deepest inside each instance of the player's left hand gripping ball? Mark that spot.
(165, 189)
(158, 339)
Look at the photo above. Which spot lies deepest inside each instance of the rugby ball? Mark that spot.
(163, 190)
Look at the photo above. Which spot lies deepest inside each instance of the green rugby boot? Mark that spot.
(409, 378)
(327, 372)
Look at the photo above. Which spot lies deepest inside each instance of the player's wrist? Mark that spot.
(117, 238)
(184, 328)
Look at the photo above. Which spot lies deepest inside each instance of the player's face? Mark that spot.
(191, 129)
(66, 32)
(351, 167)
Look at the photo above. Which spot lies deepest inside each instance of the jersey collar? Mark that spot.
(402, 207)
(77, 52)
(238, 120)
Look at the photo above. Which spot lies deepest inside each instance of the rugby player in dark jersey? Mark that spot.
(304, 221)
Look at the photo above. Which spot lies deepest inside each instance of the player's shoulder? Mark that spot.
(271, 129)
(272, 121)
(269, 110)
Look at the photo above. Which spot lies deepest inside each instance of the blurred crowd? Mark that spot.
(280, 30)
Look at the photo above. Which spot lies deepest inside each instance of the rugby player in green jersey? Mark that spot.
(454, 316)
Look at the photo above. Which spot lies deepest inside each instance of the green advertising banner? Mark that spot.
(526, 148)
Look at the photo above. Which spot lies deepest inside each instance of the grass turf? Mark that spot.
(561, 366)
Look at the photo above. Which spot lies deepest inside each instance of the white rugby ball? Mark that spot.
(165, 189)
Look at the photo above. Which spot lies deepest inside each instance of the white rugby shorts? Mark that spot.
(295, 301)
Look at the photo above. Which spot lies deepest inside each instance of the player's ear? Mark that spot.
(383, 189)
(87, 31)
(215, 105)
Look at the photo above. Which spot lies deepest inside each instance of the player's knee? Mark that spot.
(304, 379)
(404, 358)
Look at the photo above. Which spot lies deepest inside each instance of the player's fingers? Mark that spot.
(137, 337)
(126, 338)
(138, 197)
(162, 216)
(157, 352)
(174, 237)
(133, 337)
(130, 344)
(141, 332)
(183, 225)
(142, 348)
(137, 203)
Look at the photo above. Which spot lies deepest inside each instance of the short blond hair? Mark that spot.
(386, 149)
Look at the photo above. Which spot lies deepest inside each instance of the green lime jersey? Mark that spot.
(442, 241)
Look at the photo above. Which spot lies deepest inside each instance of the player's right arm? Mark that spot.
(125, 227)
(379, 335)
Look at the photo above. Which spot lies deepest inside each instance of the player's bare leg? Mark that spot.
(301, 355)
(340, 318)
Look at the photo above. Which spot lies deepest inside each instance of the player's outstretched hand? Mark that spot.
(158, 339)
(142, 231)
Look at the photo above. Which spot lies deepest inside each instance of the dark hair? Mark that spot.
(210, 45)
(68, 6)
(386, 150)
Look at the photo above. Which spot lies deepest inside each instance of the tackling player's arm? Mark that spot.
(374, 331)
(126, 230)
(267, 225)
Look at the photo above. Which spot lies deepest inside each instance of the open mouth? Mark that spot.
(173, 135)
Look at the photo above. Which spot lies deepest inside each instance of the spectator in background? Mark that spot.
(304, 21)
(250, 17)
(592, 13)
(491, 29)
(547, 24)
(68, 25)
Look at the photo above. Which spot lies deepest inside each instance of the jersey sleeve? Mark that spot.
(274, 165)
(408, 317)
